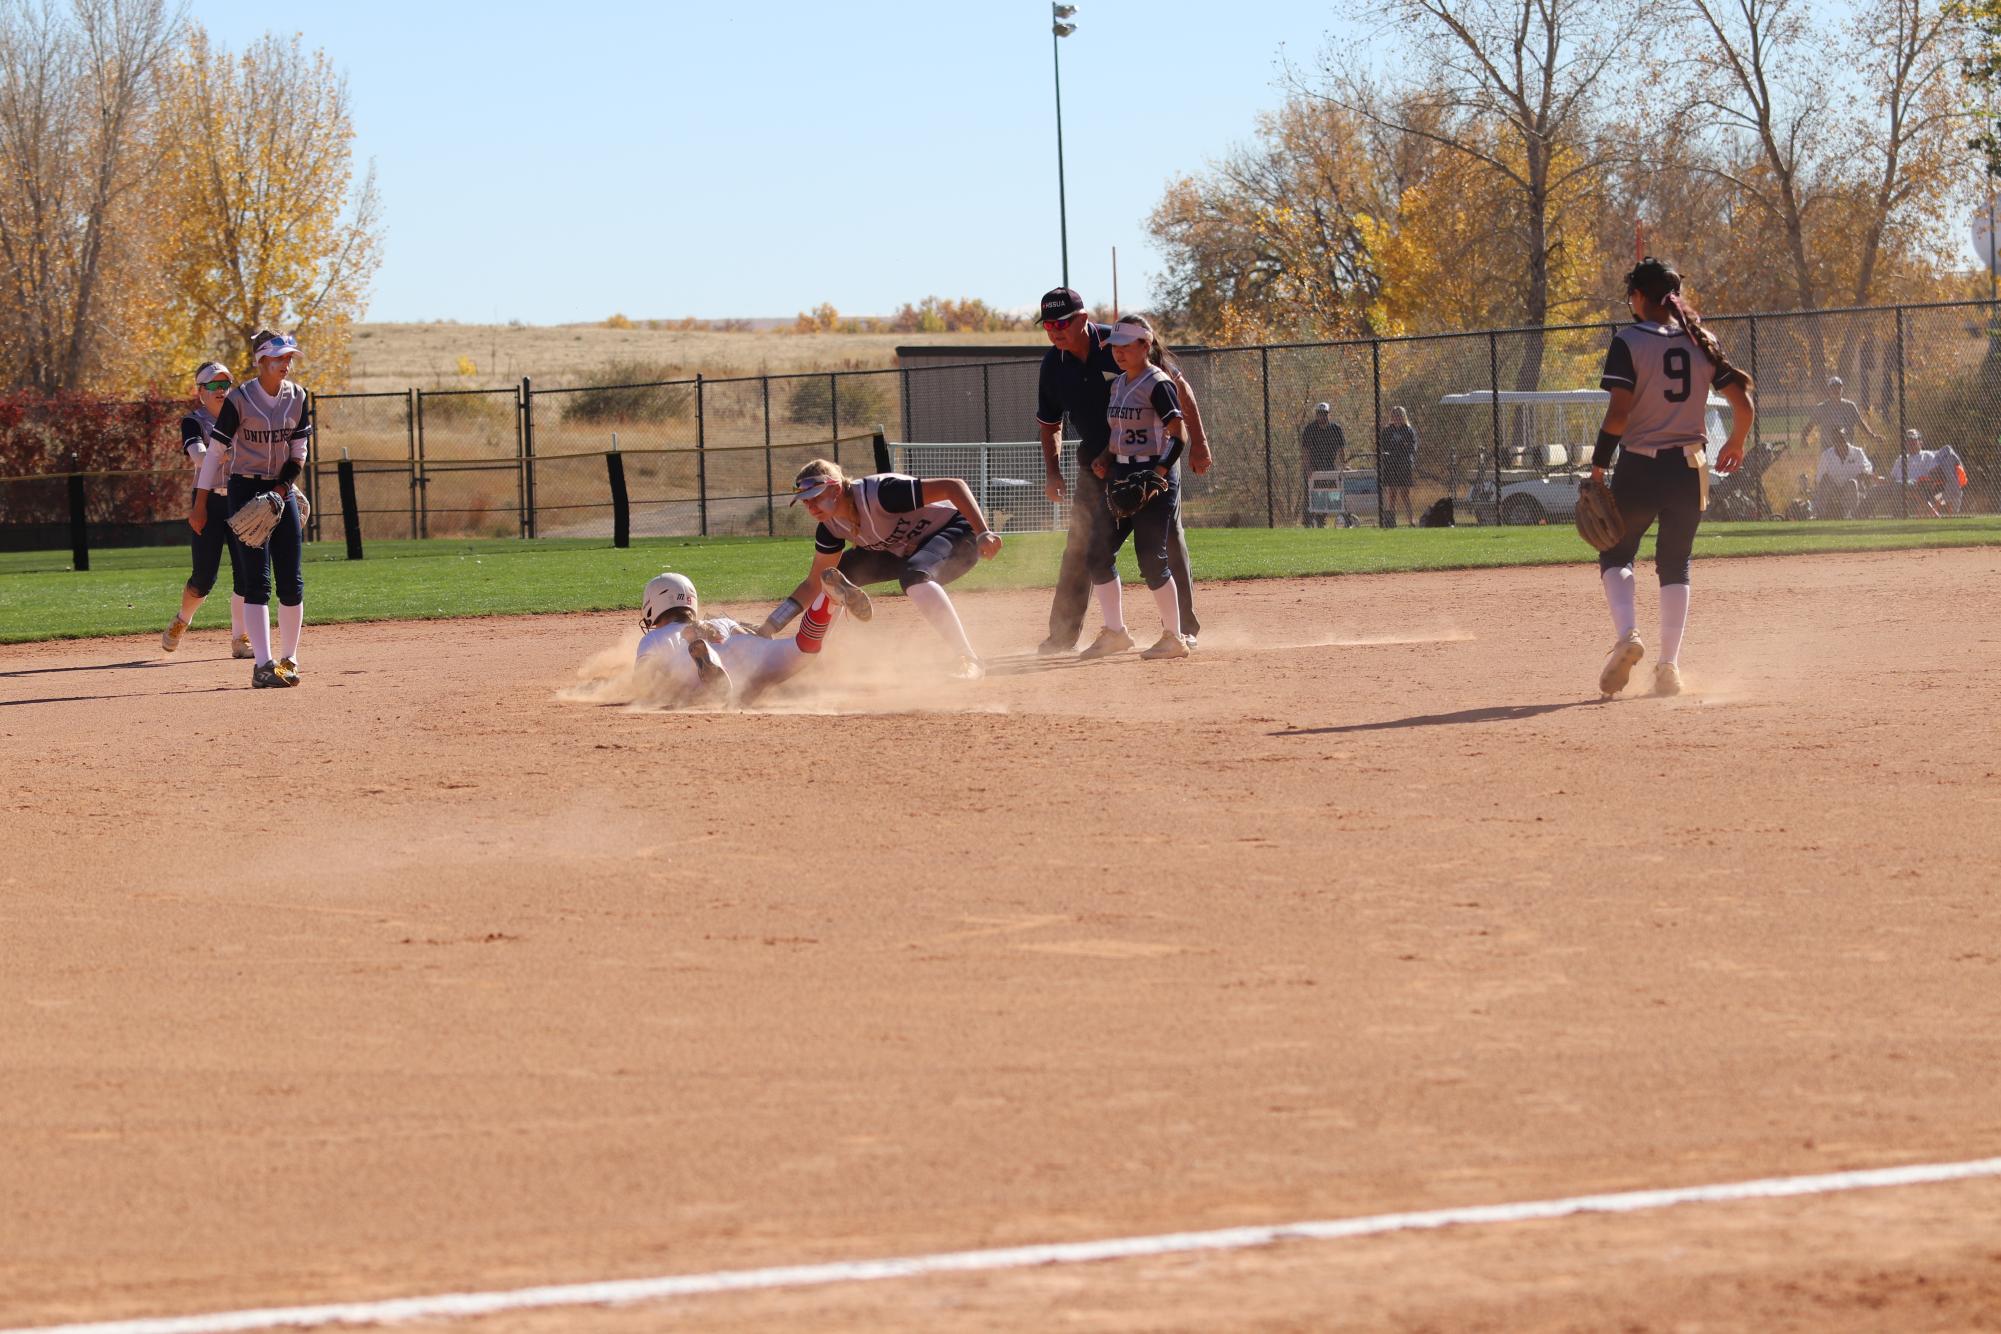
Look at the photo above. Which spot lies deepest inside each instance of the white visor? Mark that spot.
(1126, 334)
(813, 488)
(281, 346)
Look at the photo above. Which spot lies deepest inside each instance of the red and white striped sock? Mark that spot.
(813, 630)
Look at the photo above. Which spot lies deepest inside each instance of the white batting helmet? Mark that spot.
(664, 592)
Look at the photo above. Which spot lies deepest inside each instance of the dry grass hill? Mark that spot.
(471, 356)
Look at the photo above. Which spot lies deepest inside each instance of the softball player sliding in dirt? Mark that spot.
(921, 532)
(267, 424)
(692, 661)
(1658, 381)
(1148, 432)
(208, 516)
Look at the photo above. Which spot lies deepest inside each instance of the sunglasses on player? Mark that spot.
(213, 386)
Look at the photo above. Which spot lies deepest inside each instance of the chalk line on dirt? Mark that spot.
(463, 1305)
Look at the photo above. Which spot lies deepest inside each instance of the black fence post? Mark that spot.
(882, 452)
(1757, 431)
(350, 518)
(527, 392)
(410, 425)
(770, 496)
(701, 455)
(79, 530)
(423, 481)
(310, 473)
(1494, 392)
(1897, 445)
(621, 508)
(834, 413)
(1264, 380)
(1376, 448)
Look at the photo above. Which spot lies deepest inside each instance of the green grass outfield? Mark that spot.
(134, 590)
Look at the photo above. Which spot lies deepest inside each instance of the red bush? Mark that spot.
(49, 436)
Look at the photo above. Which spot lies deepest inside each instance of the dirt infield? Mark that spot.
(455, 984)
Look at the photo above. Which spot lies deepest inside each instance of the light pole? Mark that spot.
(1061, 29)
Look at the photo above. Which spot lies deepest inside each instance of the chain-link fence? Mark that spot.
(1485, 427)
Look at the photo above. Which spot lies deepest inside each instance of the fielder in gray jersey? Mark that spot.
(922, 532)
(267, 425)
(1659, 372)
(208, 512)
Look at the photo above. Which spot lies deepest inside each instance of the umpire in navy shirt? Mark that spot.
(1077, 372)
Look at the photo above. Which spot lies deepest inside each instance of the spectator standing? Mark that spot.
(1835, 414)
(1396, 465)
(1322, 448)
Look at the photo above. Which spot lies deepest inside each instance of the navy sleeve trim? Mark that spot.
(226, 422)
(1166, 402)
(899, 495)
(1618, 372)
(825, 542)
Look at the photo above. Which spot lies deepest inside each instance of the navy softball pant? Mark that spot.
(284, 554)
(941, 558)
(208, 545)
(1656, 486)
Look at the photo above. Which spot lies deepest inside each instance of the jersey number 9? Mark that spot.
(1675, 365)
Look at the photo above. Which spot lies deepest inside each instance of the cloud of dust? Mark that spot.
(864, 668)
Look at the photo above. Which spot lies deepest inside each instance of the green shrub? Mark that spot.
(632, 391)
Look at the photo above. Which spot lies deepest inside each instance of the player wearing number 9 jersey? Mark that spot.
(1659, 372)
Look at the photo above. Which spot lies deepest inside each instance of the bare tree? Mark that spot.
(1514, 86)
(78, 90)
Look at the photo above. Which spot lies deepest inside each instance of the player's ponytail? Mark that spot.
(1661, 285)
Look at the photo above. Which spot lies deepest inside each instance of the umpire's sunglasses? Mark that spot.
(213, 386)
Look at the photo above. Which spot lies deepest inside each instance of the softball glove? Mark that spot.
(253, 523)
(1598, 519)
(1129, 495)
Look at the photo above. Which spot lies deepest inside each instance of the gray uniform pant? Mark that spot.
(1091, 527)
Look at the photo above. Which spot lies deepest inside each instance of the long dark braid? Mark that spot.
(1654, 280)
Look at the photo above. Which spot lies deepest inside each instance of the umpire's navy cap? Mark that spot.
(1060, 303)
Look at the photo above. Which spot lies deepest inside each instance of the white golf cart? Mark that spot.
(1548, 435)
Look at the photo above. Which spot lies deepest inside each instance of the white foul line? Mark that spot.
(619, 1291)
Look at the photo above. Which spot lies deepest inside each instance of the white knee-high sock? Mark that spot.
(1111, 603)
(1674, 620)
(236, 629)
(259, 631)
(291, 620)
(936, 607)
(1619, 597)
(1169, 603)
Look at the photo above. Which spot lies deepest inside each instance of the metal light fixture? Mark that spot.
(1057, 14)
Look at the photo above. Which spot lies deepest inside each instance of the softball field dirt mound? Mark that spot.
(457, 970)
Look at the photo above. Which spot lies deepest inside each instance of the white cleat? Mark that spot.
(1168, 646)
(846, 592)
(1667, 679)
(1619, 664)
(1106, 644)
(967, 669)
(170, 638)
(239, 647)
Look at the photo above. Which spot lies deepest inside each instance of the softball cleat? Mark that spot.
(967, 669)
(288, 668)
(1106, 644)
(846, 592)
(1667, 679)
(170, 638)
(1169, 646)
(1619, 664)
(1054, 647)
(264, 676)
(239, 647)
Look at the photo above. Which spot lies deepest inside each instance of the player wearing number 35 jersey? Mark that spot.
(1659, 372)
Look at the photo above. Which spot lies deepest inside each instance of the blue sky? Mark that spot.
(554, 163)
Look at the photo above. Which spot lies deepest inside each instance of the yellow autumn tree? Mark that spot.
(269, 230)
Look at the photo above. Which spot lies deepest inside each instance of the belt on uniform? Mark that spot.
(1137, 458)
